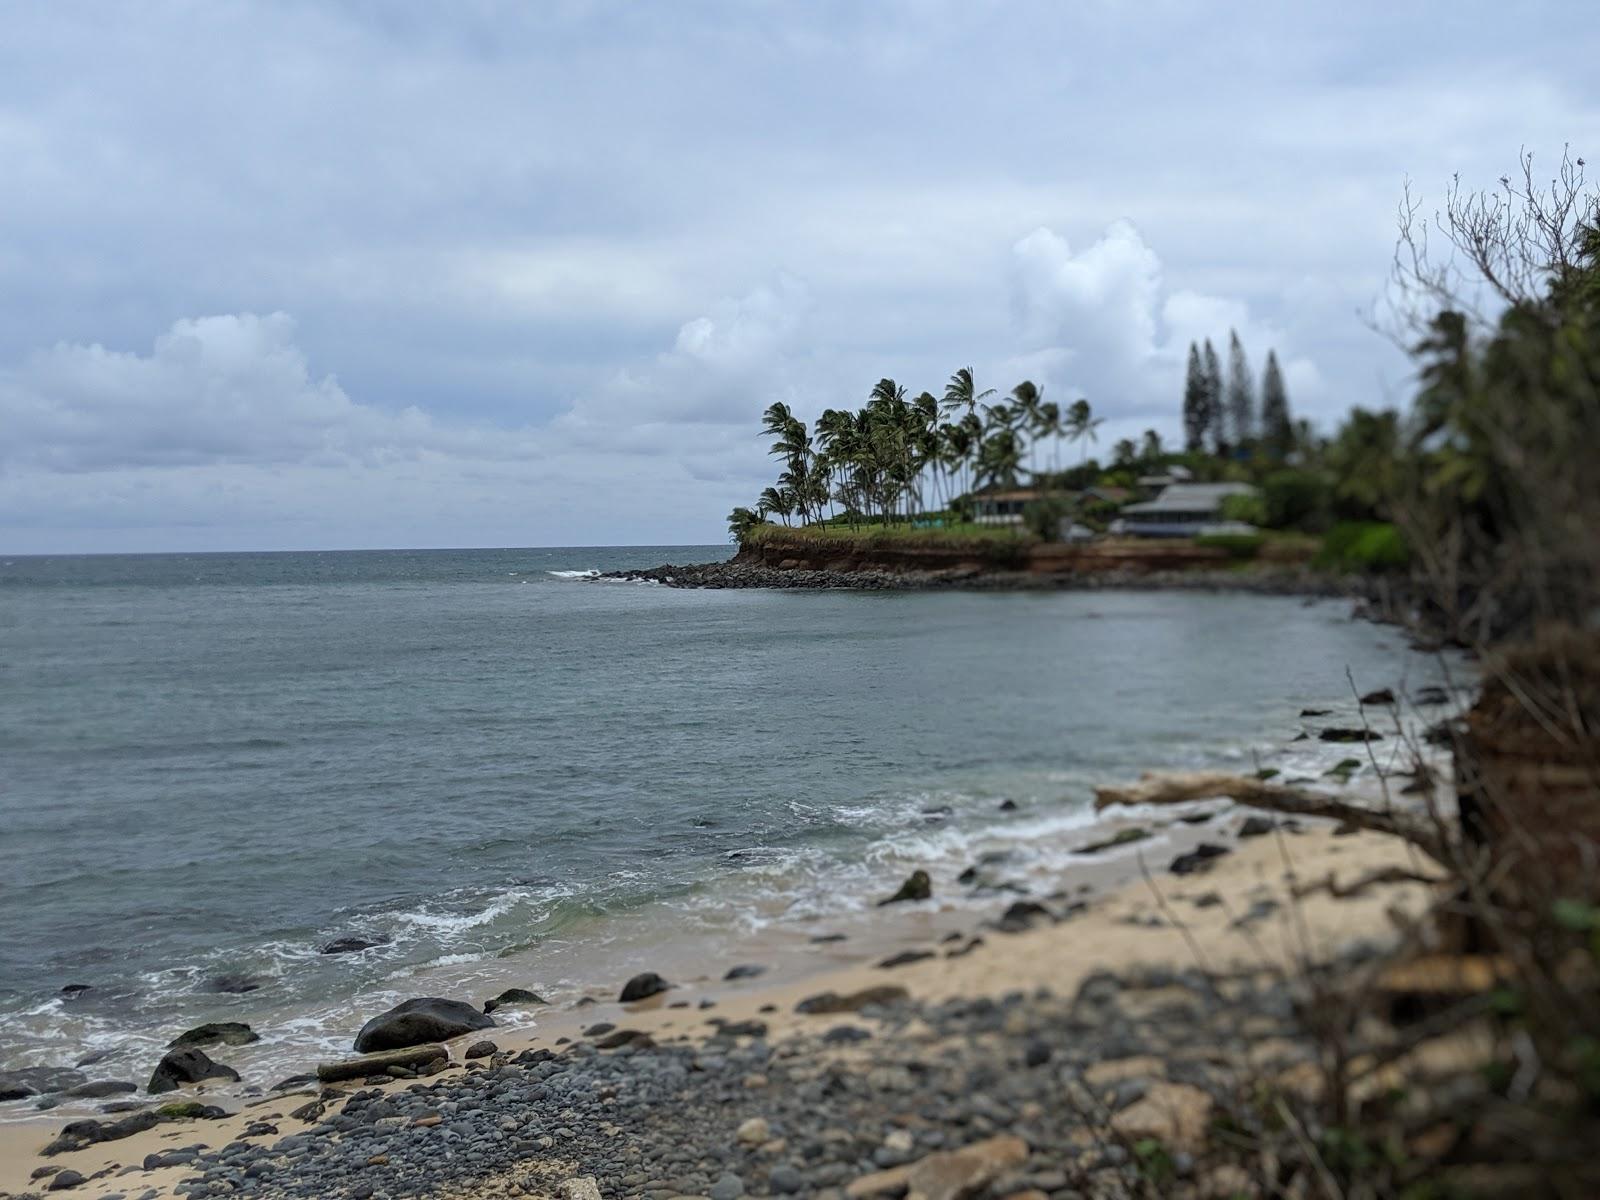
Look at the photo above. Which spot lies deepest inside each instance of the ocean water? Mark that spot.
(210, 765)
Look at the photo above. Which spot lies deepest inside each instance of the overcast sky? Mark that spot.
(367, 274)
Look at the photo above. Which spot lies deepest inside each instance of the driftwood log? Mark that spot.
(1185, 786)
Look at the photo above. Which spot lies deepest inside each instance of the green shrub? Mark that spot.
(1043, 518)
(1237, 545)
(1245, 507)
(1293, 499)
(1364, 546)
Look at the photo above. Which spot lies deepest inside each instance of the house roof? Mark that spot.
(1020, 494)
(1191, 498)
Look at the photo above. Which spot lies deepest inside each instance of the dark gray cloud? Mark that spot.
(376, 274)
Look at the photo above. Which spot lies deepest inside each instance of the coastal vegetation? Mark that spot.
(1466, 1060)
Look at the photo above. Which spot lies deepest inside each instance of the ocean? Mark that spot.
(507, 772)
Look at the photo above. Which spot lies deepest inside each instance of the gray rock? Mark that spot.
(188, 1065)
(785, 1179)
(425, 1019)
(38, 1081)
(100, 1089)
(728, 1187)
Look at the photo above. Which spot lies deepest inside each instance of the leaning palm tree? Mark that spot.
(1028, 398)
(1082, 423)
(792, 443)
(778, 500)
(742, 520)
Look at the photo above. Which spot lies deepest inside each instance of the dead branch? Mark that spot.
(1183, 787)
(1371, 879)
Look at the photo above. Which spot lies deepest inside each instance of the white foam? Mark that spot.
(589, 574)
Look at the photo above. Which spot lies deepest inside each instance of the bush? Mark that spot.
(1237, 545)
(1364, 546)
(1246, 508)
(1043, 518)
(1296, 500)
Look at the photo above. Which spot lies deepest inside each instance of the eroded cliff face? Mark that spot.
(803, 554)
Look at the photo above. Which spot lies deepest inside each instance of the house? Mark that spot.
(1008, 506)
(1004, 506)
(1184, 510)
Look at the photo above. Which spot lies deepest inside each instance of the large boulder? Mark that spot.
(425, 1019)
(186, 1065)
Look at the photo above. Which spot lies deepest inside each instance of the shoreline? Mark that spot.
(1128, 924)
(733, 574)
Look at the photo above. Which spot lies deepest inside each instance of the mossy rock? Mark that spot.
(225, 1033)
(1122, 837)
(179, 1110)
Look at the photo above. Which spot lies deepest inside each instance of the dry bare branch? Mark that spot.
(1184, 786)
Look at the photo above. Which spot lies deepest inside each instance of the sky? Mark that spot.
(299, 275)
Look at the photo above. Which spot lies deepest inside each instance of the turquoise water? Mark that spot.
(212, 764)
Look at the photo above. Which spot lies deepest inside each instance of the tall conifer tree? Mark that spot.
(1216, 417)
(1277, 426)
(1241, 392)
(1196, 420)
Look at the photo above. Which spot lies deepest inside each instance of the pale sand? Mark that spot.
(1057, 957)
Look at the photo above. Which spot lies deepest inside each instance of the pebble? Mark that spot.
(750, 1110)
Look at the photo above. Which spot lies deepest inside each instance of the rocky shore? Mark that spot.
(1063, 1048)
(1285, 581)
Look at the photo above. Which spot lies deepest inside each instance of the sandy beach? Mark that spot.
(1235, 917)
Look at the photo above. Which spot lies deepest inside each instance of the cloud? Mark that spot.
(1100, 322)
(212, 390)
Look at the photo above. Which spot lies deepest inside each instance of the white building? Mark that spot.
(1184, 510)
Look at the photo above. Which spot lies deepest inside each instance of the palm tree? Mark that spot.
(1028, 399)
(1082, 423)
(778, 500)
(961, 396)
(1152, 449)
(793, 444)
(742, 520)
